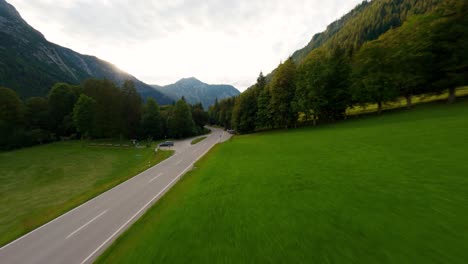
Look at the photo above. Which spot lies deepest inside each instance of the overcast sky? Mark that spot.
(162, 41)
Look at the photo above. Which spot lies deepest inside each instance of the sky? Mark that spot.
(162, 41)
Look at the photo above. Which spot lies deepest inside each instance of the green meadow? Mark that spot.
(373, 189)
(40, 183)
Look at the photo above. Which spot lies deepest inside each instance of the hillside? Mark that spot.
(378, 189)
(31, 65)
(365, 22)
(195, 91)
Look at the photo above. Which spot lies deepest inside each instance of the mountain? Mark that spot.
(31, 65)
(366, 22)
(195, 91)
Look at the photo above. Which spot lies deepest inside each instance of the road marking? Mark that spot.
(85, 225)
(144, 207)
(155, 178)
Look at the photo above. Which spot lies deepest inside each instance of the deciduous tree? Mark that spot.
(151, 120)
(282, 89)
(84, 114)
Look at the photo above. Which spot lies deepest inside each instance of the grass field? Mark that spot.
(40, 183)
(198, 140)
(376, 189)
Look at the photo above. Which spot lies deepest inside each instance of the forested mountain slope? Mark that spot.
(31, 65)
(366, 22)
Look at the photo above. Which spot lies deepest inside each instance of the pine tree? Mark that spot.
(182, 124)
(131, 103)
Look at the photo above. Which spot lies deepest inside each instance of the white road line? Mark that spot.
(155, 178)
(144, 207)
(85, 225)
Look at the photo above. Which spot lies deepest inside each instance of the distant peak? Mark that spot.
(189, 80)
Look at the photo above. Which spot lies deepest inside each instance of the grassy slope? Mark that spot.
(388, 189)
(40, 183)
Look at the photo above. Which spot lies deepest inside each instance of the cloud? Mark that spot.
(218, 41)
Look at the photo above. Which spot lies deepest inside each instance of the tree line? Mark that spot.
(93, 110)
(425, 55)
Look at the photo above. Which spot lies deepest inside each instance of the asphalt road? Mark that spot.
(80, 235)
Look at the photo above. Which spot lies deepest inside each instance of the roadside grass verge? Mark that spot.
(198, 140)
(41, 183)
(381, 189)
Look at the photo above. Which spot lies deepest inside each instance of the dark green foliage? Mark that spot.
(151, 122)
(450, 42)
(408, 56)
(373, 76)
(84, 113)
(251, 109)
(14, 131)
(62, 98)
(11, 111)
(11, 114)
(166, 115)
(221, 112)
(261, 81)
(322, 90)
(109, 111)
(282, 88)
(213, 113)
(36, 120)
(200, 117)
(244, 111)
(264, 113)
(131, 103)
(97, 109)
(37, 113)
(181, 123)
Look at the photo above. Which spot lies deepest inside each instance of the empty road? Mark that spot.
(80, 235)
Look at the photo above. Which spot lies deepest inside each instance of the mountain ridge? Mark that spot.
(31, 65)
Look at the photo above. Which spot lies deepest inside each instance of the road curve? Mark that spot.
(80, 235)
